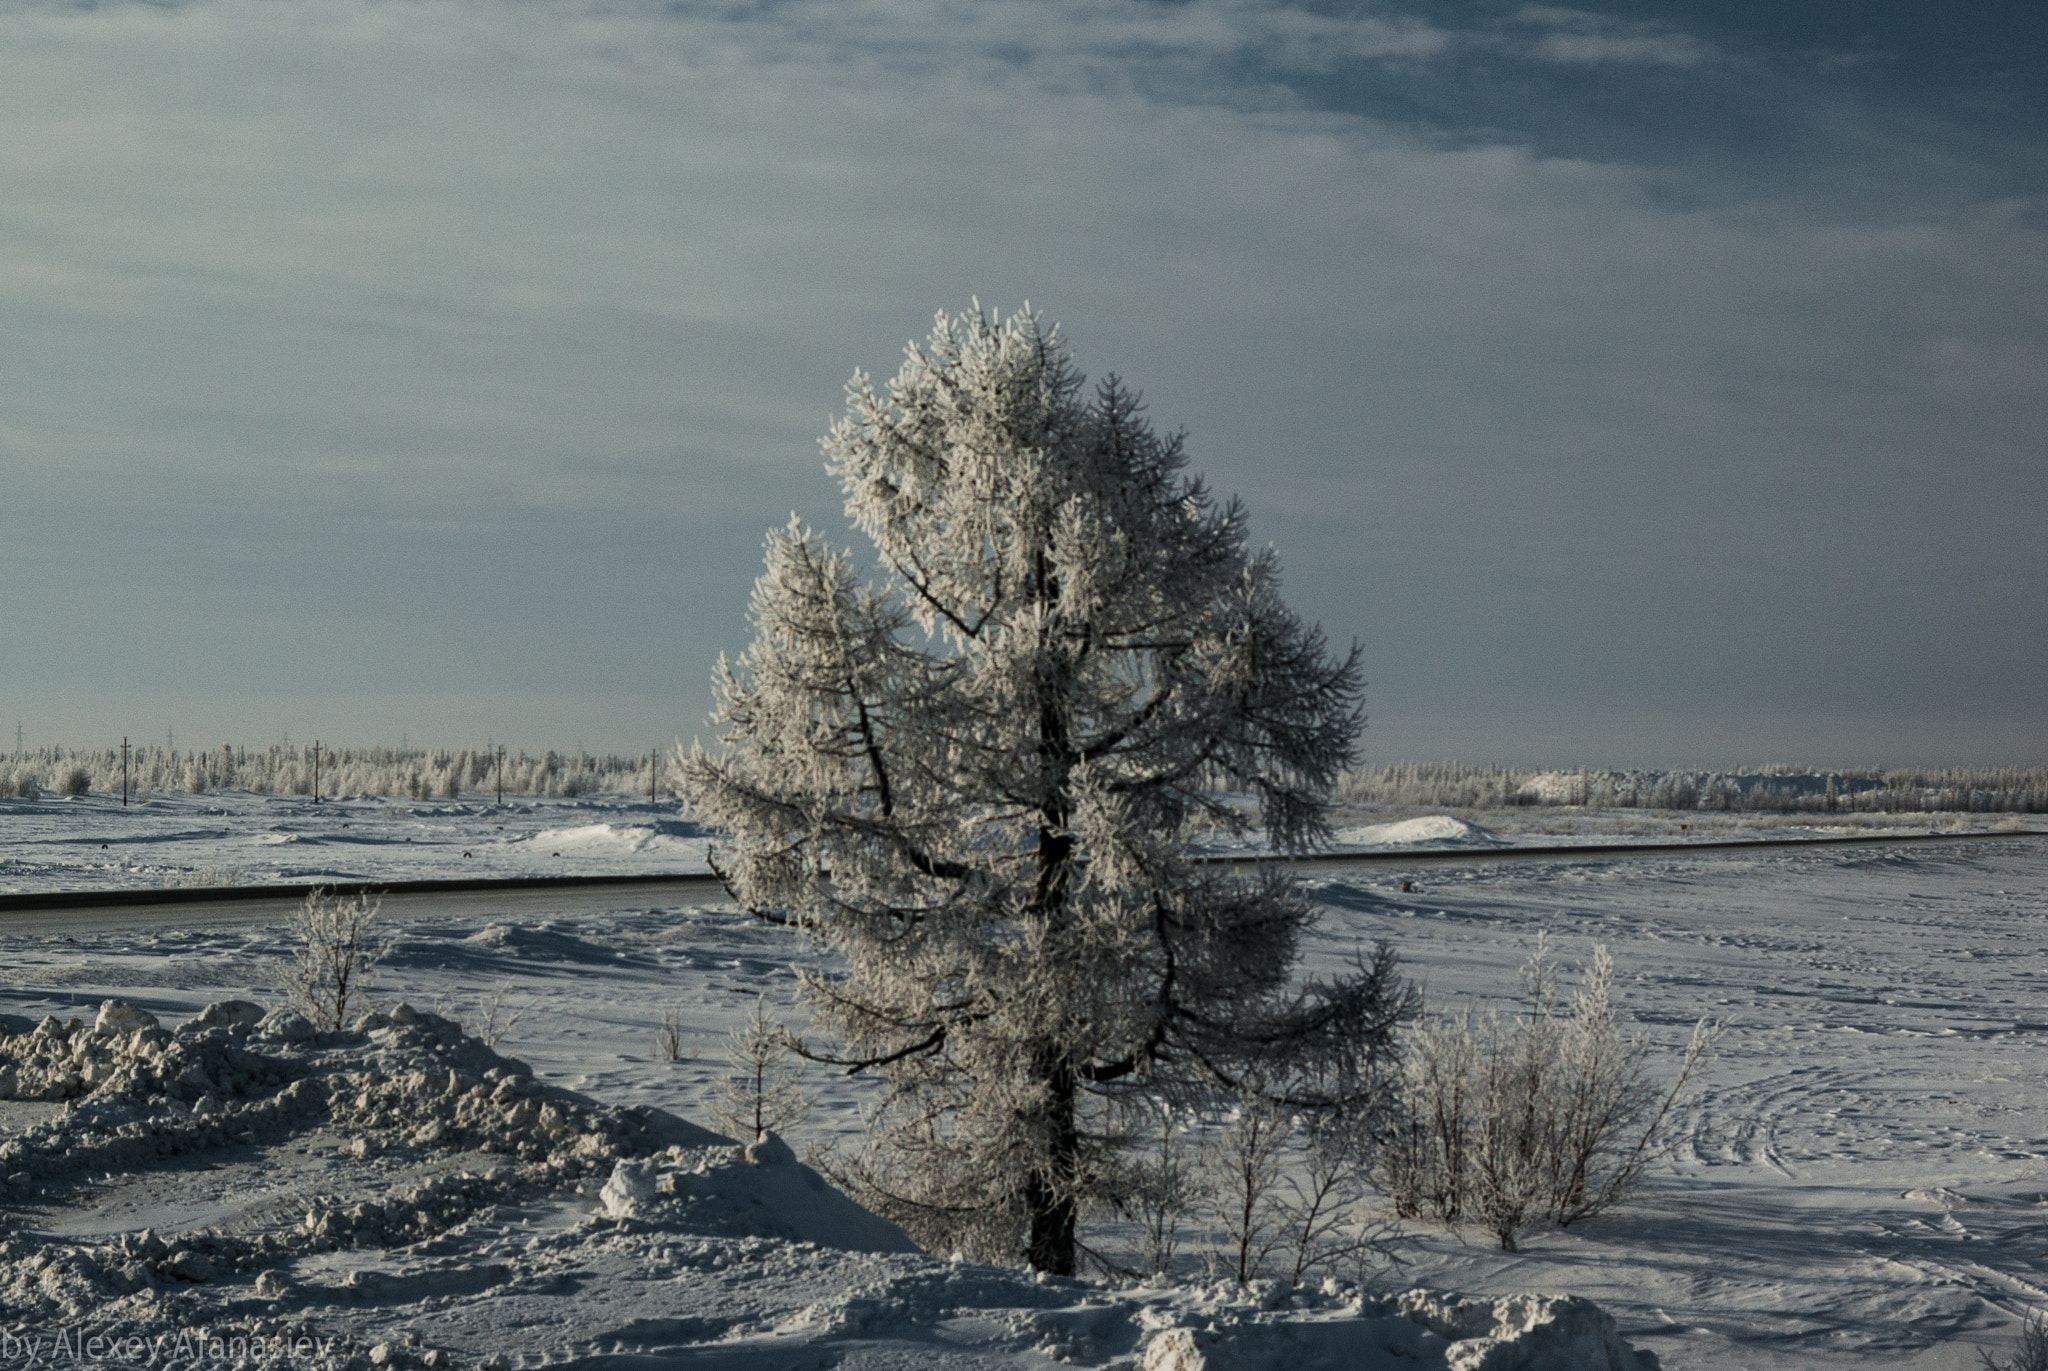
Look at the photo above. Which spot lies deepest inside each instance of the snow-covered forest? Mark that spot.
(290, 769)
(1777, 788)
(421, 773)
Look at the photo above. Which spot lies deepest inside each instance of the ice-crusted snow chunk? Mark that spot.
(1422, 1328)
(285, 1026)
(674, 839)
(1524, 1333)
(225, 1014)
(631, 1188)
(120, 1017)
(770, 1150)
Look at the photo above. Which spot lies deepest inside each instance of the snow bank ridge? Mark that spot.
(1420, 1328)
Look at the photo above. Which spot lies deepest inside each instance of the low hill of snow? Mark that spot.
(1429, 831)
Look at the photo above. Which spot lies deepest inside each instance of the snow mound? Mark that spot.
(616, 840)
(1432, 830)
(757, 1191)
(405, 1085)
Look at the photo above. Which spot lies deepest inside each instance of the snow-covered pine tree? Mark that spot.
(976, 777)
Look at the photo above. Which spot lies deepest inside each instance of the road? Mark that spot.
(71, 911)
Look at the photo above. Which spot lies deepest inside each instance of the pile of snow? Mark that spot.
(1430, 831)
(397, 1194)
(681, 840)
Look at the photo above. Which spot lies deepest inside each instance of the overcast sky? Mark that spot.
(1663, 383)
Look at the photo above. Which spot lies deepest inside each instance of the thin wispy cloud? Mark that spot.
(1581, 37)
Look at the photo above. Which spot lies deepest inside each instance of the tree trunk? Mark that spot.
(1049, 1193)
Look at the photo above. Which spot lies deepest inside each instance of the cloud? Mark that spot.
(1583, 38)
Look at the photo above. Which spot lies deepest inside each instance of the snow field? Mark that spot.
(1870, 1181)
(450, 1212)
(92, 842)
(1869, 1191)
(238, 838)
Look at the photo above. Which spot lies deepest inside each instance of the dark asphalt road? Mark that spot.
(66, 911)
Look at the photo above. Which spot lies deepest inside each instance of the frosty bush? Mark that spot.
(1161, 1187)
(1551, 1113)
(977, 775)
(328, 977)
(1243, 1160)
(1289, 1192)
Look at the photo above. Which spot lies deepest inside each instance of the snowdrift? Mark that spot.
(1430, 831)
(672, 838)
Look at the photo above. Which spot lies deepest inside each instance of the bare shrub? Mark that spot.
(328, 977)
(1325, 1198)
(762, 1091)
(1550, 1113)
(668, 1039)
(1289, 1190)
(76, 781)
(1421, 1163)
(2031, 1354)
(492, 1018)
(1163, 1186)
(212, 875)
(1244, 1159)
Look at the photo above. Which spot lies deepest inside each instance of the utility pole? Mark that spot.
(501, 775)
(124, 773)
(17, 737)
(316, 771)
(651, 764)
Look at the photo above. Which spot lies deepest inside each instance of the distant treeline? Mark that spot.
(414, 773)
(1776, 789)
(441, 773)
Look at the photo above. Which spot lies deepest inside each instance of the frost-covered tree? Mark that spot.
(976, 776)
(759, 1091)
